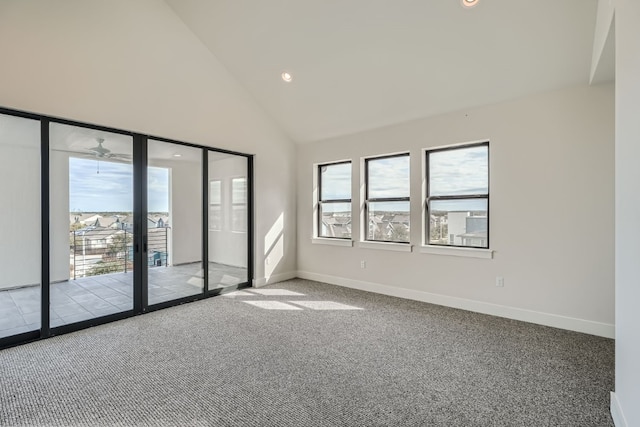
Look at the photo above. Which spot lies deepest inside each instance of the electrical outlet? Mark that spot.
(268, 261)
(363, 264)
(500, 282)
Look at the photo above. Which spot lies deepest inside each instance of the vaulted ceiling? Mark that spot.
(362, 64)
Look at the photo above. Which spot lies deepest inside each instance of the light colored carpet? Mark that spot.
(328, 356)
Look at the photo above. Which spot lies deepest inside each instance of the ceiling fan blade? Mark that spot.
(100, 150)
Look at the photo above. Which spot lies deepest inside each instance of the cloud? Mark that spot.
(336, 181)
(102, 186)
(459, 172)
(388, 177)
(157, 189)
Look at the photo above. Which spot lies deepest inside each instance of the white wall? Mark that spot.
(624, 404)
(551, 217)
(136, 66)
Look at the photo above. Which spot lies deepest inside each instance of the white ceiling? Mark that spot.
(363, 64)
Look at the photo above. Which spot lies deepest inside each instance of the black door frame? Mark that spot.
(140, 284)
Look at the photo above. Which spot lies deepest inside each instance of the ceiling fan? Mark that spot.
(101, 152)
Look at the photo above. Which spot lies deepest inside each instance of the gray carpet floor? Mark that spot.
(302, 353)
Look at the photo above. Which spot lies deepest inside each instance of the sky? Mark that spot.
(99, 186)
(459, 172)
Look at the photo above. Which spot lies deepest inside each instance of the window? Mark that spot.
(215, 205)
(458, 196)
(387, 198)
(239, 204)
(334, 200)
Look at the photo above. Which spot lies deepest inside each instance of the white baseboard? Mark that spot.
(569, 323)
(616, 412)
(274, 278)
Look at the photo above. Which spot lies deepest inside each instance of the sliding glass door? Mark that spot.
(99, 224)
(228, 220)
(20, 263)
(91, 223)
(174, 221)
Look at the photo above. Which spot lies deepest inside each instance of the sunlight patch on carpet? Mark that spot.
(273, 305)
(276, 292)
(324, 305)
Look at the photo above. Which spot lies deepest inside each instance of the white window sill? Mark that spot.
(386, 246)
(463, 252)
(331, 242)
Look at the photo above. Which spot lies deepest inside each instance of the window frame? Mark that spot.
(478, 196)
(235, 203)
(140, 160)
(320, 201)
(367, 199)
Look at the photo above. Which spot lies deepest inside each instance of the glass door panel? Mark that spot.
(91, 223)
(174, 223)
(228, 220)
(20, 264)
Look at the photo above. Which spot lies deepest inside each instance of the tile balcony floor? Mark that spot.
(95, 296)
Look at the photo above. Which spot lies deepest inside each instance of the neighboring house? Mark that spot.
(94, 220)
(94, 240)
(157, 222)
(389, 226)
(98, 234)
(467, 230)
(336, 226)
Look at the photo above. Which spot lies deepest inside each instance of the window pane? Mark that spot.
(458, 222)
(20, 225)
(335, 181)
(239, 190)
(175, 267)
(335, 220)
(215, 217)
(388, 177)
(388, 221)
(91, 220)
(228, 221)
(459, 171)
(215, 192)
(239, 218)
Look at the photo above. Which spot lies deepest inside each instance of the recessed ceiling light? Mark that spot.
(469, 3)
(177, 155)
(287, 77)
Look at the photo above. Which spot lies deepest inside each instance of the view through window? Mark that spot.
(387, 198)
(334, 202)
(458, 196)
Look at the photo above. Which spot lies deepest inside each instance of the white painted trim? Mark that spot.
(463, 252)
(616, 412)
(274, 278)
(332, 242)
(563, 322)
(386, 246)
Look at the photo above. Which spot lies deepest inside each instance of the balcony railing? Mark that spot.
(94, 252)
